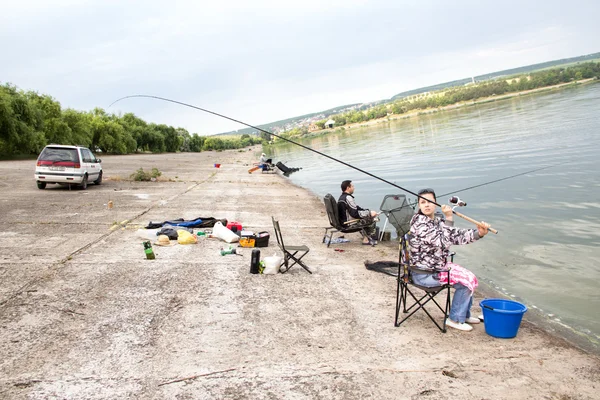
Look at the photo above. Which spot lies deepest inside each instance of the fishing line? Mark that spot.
(273, 134)
(503, 179)
(413, 204)
(494, 181)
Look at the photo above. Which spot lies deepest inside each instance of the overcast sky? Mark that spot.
(261, 61)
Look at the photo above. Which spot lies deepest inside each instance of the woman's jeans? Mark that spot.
(462, 300)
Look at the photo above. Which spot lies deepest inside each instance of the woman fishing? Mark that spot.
(430, 241)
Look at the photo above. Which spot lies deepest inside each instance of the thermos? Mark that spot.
(254, 261)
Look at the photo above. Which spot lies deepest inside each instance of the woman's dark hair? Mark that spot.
(427, 190)
(346, 185)
(421, 193)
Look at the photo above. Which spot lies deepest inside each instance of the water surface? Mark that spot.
(548, 249)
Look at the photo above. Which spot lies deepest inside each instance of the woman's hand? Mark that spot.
(447, 212)
(483, 230)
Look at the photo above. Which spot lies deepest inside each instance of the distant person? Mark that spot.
(348, 210)
(430, 241)
(264, 163)
(263, 159)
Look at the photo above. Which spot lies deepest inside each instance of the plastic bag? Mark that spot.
(223, 233)
(184, 237)
(148, 234)
(272, 264)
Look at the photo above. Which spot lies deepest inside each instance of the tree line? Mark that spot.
(29, 121)
(467, 92)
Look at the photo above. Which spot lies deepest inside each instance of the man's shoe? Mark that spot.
(472, 320)
(458, 325)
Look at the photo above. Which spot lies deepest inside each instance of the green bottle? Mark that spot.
(148, 250)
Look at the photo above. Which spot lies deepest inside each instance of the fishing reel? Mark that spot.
(457, 202)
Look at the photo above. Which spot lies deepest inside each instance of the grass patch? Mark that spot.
(144, 176)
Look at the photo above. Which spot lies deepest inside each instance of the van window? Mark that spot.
(88, 157)
(54, 155)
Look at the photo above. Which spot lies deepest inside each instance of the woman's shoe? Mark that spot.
(457, 325)
(472, 320)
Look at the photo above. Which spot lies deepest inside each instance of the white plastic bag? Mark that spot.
(272, 264)
(223, 233)
(148, 234)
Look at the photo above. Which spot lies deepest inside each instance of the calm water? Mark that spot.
(547, 253)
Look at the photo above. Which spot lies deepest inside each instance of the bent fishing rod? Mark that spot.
(298, 144)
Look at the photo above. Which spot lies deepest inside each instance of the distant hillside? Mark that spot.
(277, 125)
(506, 72)
(305, 120)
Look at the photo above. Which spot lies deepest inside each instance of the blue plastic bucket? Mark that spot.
(502, 318)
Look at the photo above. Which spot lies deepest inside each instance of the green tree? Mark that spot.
(196, 143)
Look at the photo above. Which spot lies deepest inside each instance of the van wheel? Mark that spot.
(41, 185)
(84, 182)
(99, 180)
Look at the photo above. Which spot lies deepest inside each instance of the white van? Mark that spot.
(67, 165)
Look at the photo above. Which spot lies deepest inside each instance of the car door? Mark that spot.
(89, 164)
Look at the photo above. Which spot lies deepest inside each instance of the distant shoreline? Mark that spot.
(394, 117)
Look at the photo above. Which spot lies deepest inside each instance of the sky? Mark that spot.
(259, 61)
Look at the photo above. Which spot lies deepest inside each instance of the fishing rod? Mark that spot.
(287, 140)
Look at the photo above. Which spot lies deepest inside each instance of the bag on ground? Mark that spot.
(184, 237)
(272, 264)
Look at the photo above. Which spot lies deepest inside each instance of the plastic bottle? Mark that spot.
(231, 250)
(148, 250)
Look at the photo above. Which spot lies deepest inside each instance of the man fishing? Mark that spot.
(264, 163)
(348, 210)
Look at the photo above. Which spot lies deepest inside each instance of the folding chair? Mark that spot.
(406, 287)
(331, 206)
(293, 253)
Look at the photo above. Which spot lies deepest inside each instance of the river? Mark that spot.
(547, 252)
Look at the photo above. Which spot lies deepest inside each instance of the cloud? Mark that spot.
(266, 60)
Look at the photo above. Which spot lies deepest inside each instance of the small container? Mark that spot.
(148, 250)
(255, 261)
(262, 239)
(246, 241)
(231, 225)
(502, 317)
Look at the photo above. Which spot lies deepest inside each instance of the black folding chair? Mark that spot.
(293, 253)
(331, 206)
(406, 287)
